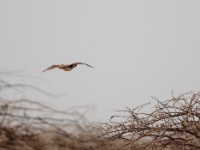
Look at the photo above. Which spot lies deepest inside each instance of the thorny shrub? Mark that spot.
(172, 124)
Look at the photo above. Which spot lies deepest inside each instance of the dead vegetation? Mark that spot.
(171, 124)
(30, 125)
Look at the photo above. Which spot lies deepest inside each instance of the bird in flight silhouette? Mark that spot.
(66, 67)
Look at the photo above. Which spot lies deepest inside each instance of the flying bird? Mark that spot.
(66, 67)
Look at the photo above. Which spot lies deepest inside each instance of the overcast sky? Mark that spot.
(140, 48)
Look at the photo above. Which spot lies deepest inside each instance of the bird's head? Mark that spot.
(72, 65)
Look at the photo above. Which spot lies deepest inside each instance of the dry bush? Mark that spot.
(28, 124)
(172, 124)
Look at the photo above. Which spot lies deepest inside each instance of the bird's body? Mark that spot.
(66, 67)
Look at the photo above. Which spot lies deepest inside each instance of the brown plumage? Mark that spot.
(66, 67)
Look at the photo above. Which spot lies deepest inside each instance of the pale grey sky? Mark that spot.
(140, 48)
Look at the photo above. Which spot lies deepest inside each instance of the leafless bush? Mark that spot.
(172, 124)
(28, 124)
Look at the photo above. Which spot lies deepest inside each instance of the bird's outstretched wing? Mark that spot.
(81, 63)
(51, 67)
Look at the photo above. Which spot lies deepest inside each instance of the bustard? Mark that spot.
(66, 67)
